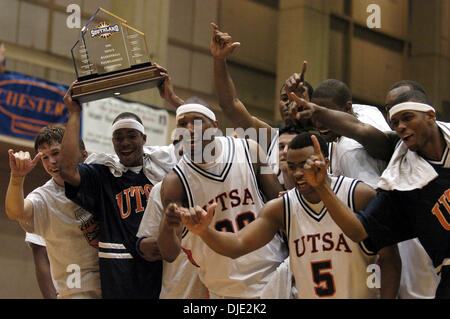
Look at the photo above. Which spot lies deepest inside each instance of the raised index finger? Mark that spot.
(302, 75)
(214, 26)
(317, 150)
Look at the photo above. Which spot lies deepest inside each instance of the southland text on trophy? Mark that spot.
(111, 58)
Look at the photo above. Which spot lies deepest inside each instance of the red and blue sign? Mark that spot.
(27, 104)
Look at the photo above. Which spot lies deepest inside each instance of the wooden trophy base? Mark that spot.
(116, 84)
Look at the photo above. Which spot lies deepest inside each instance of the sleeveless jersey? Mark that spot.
(231, 182)
(325, 262)
(118, 203)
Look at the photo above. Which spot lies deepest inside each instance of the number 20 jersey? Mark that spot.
(231, 182)
(325, 262)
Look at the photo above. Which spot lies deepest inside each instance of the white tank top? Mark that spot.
(231, 182)
(325, 262)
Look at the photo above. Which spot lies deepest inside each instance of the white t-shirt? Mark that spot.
(349, 158)
(66, 229)
(180, 279)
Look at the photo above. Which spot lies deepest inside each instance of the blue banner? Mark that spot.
(27, 104)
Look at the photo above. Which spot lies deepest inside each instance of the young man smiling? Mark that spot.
(70, 232)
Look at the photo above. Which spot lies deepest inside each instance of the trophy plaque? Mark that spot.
(111, 58)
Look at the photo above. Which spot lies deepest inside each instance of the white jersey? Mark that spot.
(231, 182)
(349, 158)
(66, 228)
(180, 279)
(325, 262)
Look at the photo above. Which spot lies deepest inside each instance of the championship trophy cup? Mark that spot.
(110, 59)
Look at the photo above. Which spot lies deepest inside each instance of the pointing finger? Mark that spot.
(317, 150)
(214, 26)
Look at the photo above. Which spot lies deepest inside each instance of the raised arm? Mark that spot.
(378, 144)
(68, 163)
(233, 108)
(253, 236)
(166, 90)
(315, 171)
(266, 178)
(16, 206)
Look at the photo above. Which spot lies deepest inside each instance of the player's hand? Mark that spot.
(301, 109)
(72, 106)
(196, 219)
(21, 163)
(172, 216)
(315, 168)
(166, 87)
(295, 82)
(221, 43)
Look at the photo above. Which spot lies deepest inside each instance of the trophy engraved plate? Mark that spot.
(111, 58)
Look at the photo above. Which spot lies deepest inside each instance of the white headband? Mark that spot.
(197, 108)
(410, 106)
(128, 123)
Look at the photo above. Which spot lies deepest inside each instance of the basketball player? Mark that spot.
(413, 200)
(69, 231)
(324, 262)
(419, 280)
(116, 193)
(226, 170)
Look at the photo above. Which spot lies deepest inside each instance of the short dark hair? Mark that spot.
(412, 96)
(335, 90)
(411, 84)
(52, 134)
(304, 140)
(290, 129)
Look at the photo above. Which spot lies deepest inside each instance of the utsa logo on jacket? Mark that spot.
(325, 262)
(118, 203)
(231, 182)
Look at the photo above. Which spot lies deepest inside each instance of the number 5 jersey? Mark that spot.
(325, 262)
